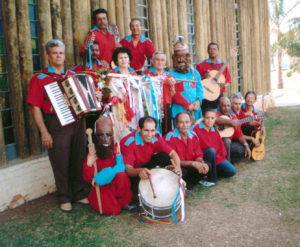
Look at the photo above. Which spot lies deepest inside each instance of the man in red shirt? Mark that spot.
(140, 47)
(114, 183)
(236, 145)
(213, 63)
(100, 34)
(187, 146)
(145, 149)
(66, 145)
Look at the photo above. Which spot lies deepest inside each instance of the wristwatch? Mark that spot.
(246, 144)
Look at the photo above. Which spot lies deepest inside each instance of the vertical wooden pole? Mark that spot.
(126, 10)
(26, 66)
(81, 18)
(159, 30)
(103, 4)
(95, 4)
(182, 17)
(45, 27)
(13, 66)
(171, 34)
(111, 11)
(133, 9)
(152, 16)
(175, 18)
(212, 9)
(165, 30)
(56, 19)
(266, 46)
(67, 34)
(120, 17)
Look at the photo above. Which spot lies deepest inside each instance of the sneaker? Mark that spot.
(133, 208)
(206, 183)
(83, 201)
(66, 207)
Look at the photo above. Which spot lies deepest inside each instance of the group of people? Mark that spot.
(198, 153)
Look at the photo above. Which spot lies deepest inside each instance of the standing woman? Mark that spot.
(122, 58)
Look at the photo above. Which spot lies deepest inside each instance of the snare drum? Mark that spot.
(166, 187)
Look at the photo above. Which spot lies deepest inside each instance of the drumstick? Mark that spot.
(173, 163)
(89, 134)
(154, 195)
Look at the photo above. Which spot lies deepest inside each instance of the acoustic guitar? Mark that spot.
(211, 85)
(228, 130)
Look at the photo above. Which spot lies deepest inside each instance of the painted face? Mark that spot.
(159, 62)
(213, 51)
(181, 62)
(104, 134)
(209, 119)
(236, 105)
(136, 27)
(183, 123)
(101, 21)
(56, 56)
(148, 132)
(123, 60)
(95, 51)
(250, 100)
(225, 106)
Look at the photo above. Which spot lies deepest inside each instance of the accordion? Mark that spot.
(73, 98)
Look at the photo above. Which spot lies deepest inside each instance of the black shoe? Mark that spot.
(132, 208)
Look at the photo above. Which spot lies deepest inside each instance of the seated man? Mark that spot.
(210, 139)
(239, 147)
(114, 183)
(187, 145)
(247, 128)
(159, 60)
(144, 149)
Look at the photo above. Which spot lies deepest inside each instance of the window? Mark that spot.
(6, 110)
(191, 31)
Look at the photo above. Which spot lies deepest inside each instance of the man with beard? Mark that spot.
(100, 34)
(114, 183)
(188, 88)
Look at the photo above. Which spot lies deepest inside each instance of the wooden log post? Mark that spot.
(175, 18)
(103, 4)
(153, 27)
(111, 12)
(171, 34)
(26, 66)
(182, 18)
(126, 10)
(165, 30)
(120, 17)
(14, 74)
(159, 30)
(133, 9)
(95, 4)
(266, 46)
(81, 18)
(56, 19)
(213, 31)
(45, 27)
(67, 34)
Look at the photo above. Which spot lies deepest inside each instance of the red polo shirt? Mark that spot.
(189, 151)
(206, 65)
(107, 44)
(37, 95)
(136, 153)
(211, 139)
(237, 131)
(144, 49)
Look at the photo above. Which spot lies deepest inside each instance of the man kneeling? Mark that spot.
(144, 149)
(114, 183)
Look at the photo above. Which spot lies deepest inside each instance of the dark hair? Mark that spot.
(95, 43)
(208, 109)
(212, 43)
(147, 119)
(121, 50)
(98, 11)
(250, 92)
(180, 113)
(135, 19)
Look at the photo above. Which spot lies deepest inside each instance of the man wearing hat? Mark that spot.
(188, 88)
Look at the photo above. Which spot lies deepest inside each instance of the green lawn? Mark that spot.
(260, 206)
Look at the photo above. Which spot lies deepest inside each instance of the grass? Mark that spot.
(271, 186)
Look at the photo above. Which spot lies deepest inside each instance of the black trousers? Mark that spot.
(210, 104)
(67, 157)
(235, 150)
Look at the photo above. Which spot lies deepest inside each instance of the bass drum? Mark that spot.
(166, 187)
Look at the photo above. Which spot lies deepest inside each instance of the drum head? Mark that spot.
(165, 184)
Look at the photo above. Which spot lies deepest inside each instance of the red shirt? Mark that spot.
(187, 151)
(107, 44)
(37, 95)
(167, 97)
(211, 139)
(136, 153)
(206, 65)
(143, 49)
(237, 131)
